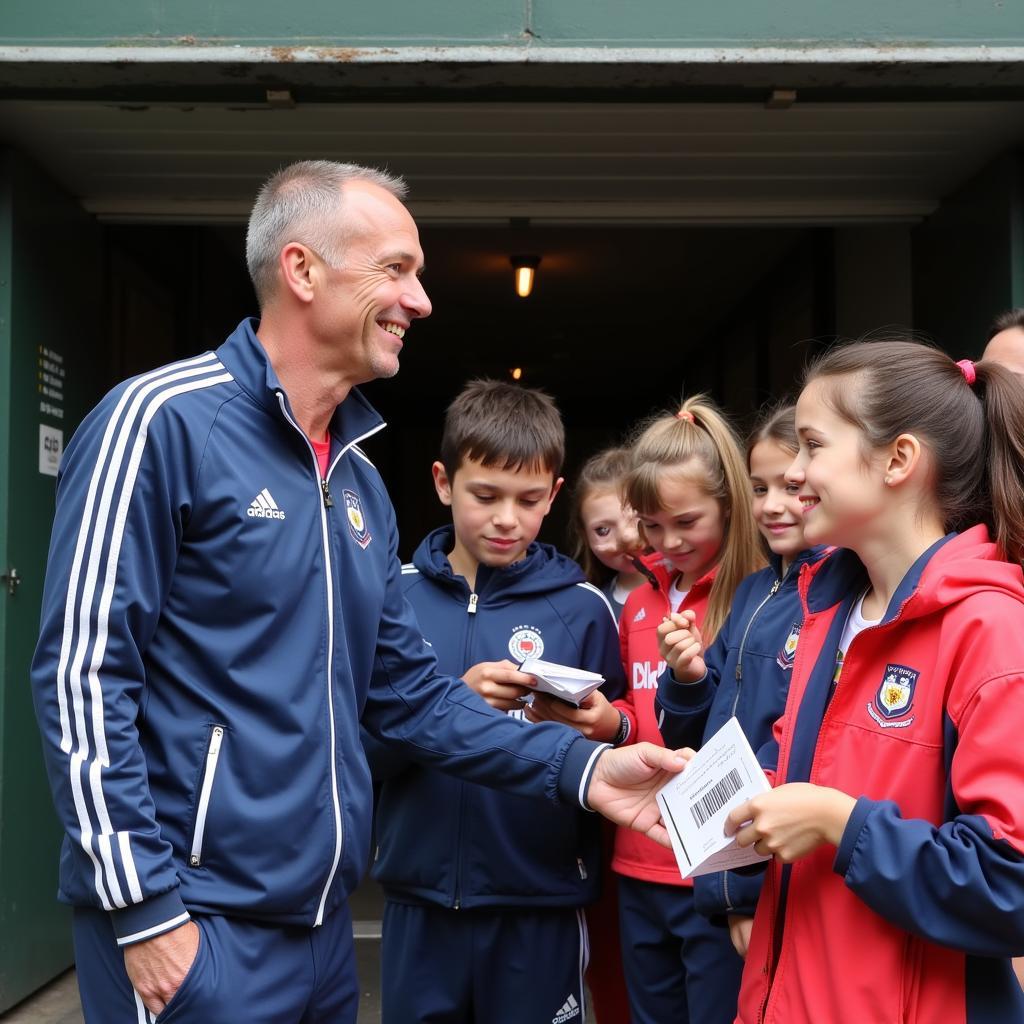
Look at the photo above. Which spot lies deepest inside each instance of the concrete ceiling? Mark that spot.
(557, 162)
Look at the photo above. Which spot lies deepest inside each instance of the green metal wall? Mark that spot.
(650, 23)
(969, 258)
(49, 289)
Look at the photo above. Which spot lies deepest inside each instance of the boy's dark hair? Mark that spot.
(1005, 321)
(503, 425)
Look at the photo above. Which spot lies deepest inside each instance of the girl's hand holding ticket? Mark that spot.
(792, 820)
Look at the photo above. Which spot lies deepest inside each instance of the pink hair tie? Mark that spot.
(967, 369)
(685, 414)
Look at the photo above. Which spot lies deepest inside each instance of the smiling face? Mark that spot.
(841, 490)
(689, 527)
(364, 306)
(776, 505)
(497, 513)
(610, 529)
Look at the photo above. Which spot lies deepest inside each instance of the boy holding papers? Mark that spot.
(484, 891)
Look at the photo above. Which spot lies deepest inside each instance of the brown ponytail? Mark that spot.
(775, 422)
(699, 431)
(974, 430)
(1002, 394)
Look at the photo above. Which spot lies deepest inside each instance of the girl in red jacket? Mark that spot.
(688, 482)
(896, 892)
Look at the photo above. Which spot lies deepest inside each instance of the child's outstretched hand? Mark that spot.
(595, 717)
(500, 683)
(681, 646)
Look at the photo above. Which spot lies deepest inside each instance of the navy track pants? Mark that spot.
(679, 966)
(245, 970)
(499, 966)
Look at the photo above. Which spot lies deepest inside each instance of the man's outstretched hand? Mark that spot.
(625, 781)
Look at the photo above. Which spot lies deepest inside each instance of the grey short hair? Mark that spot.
(298, 204)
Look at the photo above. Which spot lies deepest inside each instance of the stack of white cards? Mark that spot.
(571, 684)
(694, 805)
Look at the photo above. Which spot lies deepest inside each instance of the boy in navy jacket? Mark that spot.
(483, 918)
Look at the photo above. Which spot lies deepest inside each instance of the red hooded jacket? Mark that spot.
(914, 917)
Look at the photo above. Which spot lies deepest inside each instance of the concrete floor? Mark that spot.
(55, 1004)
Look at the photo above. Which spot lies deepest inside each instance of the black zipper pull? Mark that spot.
(328, 500)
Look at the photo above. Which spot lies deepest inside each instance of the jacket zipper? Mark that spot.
(838, 682)
(195, 857)
(325, 540)
(757, 611)
(736, 699)
(779, 924)
(743, 641)
(474, 599)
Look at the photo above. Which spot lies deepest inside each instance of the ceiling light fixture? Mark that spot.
(525, 267)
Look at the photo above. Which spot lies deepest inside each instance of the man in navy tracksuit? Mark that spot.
(483, 919)
(223, 606)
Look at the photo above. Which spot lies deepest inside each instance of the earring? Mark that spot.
(888, 481)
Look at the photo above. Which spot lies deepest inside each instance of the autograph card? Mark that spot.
(694, 805)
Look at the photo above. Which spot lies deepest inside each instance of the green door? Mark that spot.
(49, 311)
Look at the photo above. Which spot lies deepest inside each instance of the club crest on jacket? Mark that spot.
(356, 521)
(525, 643)
(894, 697)
(787, 655)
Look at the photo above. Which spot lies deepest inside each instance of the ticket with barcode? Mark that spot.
(694, 805)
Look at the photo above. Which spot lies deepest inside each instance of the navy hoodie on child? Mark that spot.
(448, 843)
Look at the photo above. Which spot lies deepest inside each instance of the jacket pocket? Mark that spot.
(195, 856)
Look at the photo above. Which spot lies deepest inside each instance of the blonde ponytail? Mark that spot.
(699, 431)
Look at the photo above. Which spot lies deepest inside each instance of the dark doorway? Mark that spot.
(622, 321)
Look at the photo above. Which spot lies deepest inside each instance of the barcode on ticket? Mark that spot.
(716, 797)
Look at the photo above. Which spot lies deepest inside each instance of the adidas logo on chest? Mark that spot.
(263, 506)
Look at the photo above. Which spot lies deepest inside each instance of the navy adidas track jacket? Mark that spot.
(216, 623)
(450, 843)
